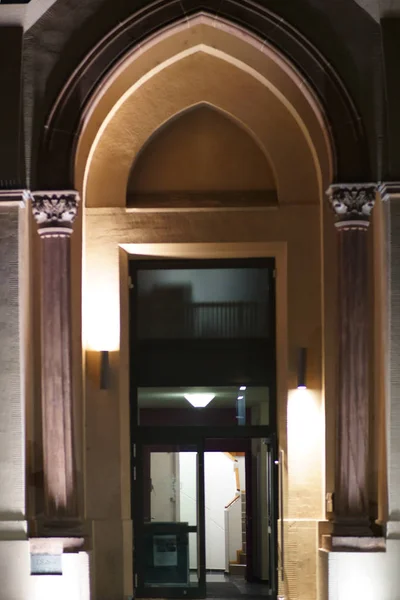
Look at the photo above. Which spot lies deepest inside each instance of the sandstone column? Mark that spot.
(55, 213)
(352, 204)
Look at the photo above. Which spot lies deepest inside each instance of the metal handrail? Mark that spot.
(281, 511)
(232, 501)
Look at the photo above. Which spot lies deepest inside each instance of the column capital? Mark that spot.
(55, 211)
(389, 190)
(14, 197)
(352, 203)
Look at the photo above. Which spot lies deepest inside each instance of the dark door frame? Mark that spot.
(203, 439)
(197, 435)
(139, 489)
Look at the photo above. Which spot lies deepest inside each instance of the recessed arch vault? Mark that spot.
(223, 67)
(89, 93)
(204, 157)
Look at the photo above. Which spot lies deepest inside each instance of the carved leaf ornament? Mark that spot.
(55, 209)
(353, 202)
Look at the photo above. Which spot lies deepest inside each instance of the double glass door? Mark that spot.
(173, 514)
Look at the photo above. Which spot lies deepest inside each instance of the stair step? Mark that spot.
(240, 557)
(237, 569)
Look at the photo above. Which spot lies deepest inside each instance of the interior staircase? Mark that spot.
(238, 567)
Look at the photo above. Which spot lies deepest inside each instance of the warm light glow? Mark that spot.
(101, 302)
(102, 331)
(199, 400)
(73, 583)
(306, 429)
(362, 575)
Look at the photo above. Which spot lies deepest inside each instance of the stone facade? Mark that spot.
(308, 96)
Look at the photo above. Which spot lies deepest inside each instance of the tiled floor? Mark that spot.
(254, 591)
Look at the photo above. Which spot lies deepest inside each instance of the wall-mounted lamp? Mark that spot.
(301, 369)
(104, 370)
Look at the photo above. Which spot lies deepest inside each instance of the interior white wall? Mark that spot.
(220, 489)
(233, 527)
(188, 498)
(242, 472)
(174, 497)
(163, 491)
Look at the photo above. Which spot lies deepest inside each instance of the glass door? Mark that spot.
(169, 553)
(261, 513)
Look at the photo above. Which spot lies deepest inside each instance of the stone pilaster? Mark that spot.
(352, 204)
(390, 194)
(55, 213)
(13, 296)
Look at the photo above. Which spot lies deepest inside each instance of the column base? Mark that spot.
(52, 545)
(355, 527)
(46, 527)
(335, 543)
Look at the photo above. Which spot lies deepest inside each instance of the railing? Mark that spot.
(235, 499)
(233, 530)
(204, 320)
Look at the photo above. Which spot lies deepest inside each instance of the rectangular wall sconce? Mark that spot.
(301, 369)
(104, 370)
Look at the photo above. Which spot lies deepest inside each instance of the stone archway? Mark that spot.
(92, 142)
(202, 61)
(60, 134)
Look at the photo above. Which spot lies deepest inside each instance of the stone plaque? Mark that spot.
(46, 564)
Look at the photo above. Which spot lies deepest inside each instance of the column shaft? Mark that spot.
(353, 204)
(351, 492)
(59, 472)
(55, 213)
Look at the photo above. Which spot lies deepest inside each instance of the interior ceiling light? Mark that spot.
(199, 400)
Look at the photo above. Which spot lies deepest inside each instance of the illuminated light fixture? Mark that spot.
(301, 369)
(240, 397)
(104, 370)
(242, 388)
(199, 400)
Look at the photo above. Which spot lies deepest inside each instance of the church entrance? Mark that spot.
(204, 493)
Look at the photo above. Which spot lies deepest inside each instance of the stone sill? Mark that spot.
(353, 544)
(56, 545)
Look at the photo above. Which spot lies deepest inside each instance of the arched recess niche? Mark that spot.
(201, 158)
(204, 60)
